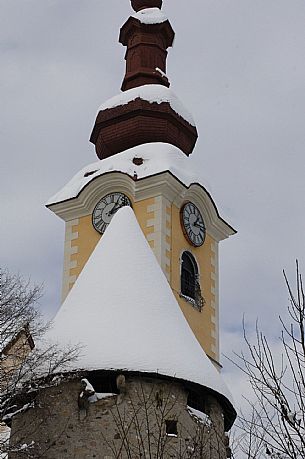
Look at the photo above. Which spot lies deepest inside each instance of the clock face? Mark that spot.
(106, 208)
(193, 224)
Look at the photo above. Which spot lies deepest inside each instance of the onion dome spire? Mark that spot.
(146, 111)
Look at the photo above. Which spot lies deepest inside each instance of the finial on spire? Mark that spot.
(138, 5)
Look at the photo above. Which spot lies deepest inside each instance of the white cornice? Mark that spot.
(163, 184)
(218, 228)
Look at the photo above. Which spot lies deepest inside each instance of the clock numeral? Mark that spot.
(125, 201)
(103, 227)
(106, 208)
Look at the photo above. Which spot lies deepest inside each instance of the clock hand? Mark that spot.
(118, 205)
(114, 209)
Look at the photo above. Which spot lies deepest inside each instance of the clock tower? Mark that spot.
(140, 284)
(143, 138)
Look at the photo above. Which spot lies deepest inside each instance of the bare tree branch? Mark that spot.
(23, 357)
(275, 423)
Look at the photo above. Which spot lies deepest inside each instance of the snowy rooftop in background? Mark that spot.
(151, 93)
(157, 158)
(123, 313)
(150, 16)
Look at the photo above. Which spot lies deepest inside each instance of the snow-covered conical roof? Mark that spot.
(123, 313)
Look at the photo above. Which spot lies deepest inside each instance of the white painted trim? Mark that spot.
(160, 232)
(164, 184)
(215, 226)
(69, 250)
(150, 222)
(215, 292)
(150, 237)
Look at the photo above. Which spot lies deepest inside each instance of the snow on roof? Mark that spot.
(12, 332)
(150, 16)
(153, 93)
(122, 311)
(157, 158)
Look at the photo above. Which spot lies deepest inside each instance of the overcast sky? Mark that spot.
(238, 66)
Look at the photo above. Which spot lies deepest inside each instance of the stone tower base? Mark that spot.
(131, 416)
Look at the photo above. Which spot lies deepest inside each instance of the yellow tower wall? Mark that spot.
(203, 323)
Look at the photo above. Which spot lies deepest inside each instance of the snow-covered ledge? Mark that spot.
(150, 16)
(164, 167)
(153, 93)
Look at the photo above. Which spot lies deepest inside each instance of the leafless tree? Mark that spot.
(275, 426)
(21, 360)
(144, 430)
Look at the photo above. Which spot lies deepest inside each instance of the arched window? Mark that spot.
(189, 275)
(190, 287)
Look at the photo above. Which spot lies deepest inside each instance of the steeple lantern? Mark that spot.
(143, 4)
(147, 35)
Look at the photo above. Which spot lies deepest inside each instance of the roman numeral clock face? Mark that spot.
(193, 224)
(106, 208)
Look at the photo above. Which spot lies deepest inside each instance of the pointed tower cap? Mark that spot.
(123, 313)
(138, 5)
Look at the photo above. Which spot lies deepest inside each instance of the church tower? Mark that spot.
(143, 138)
(140, 283)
